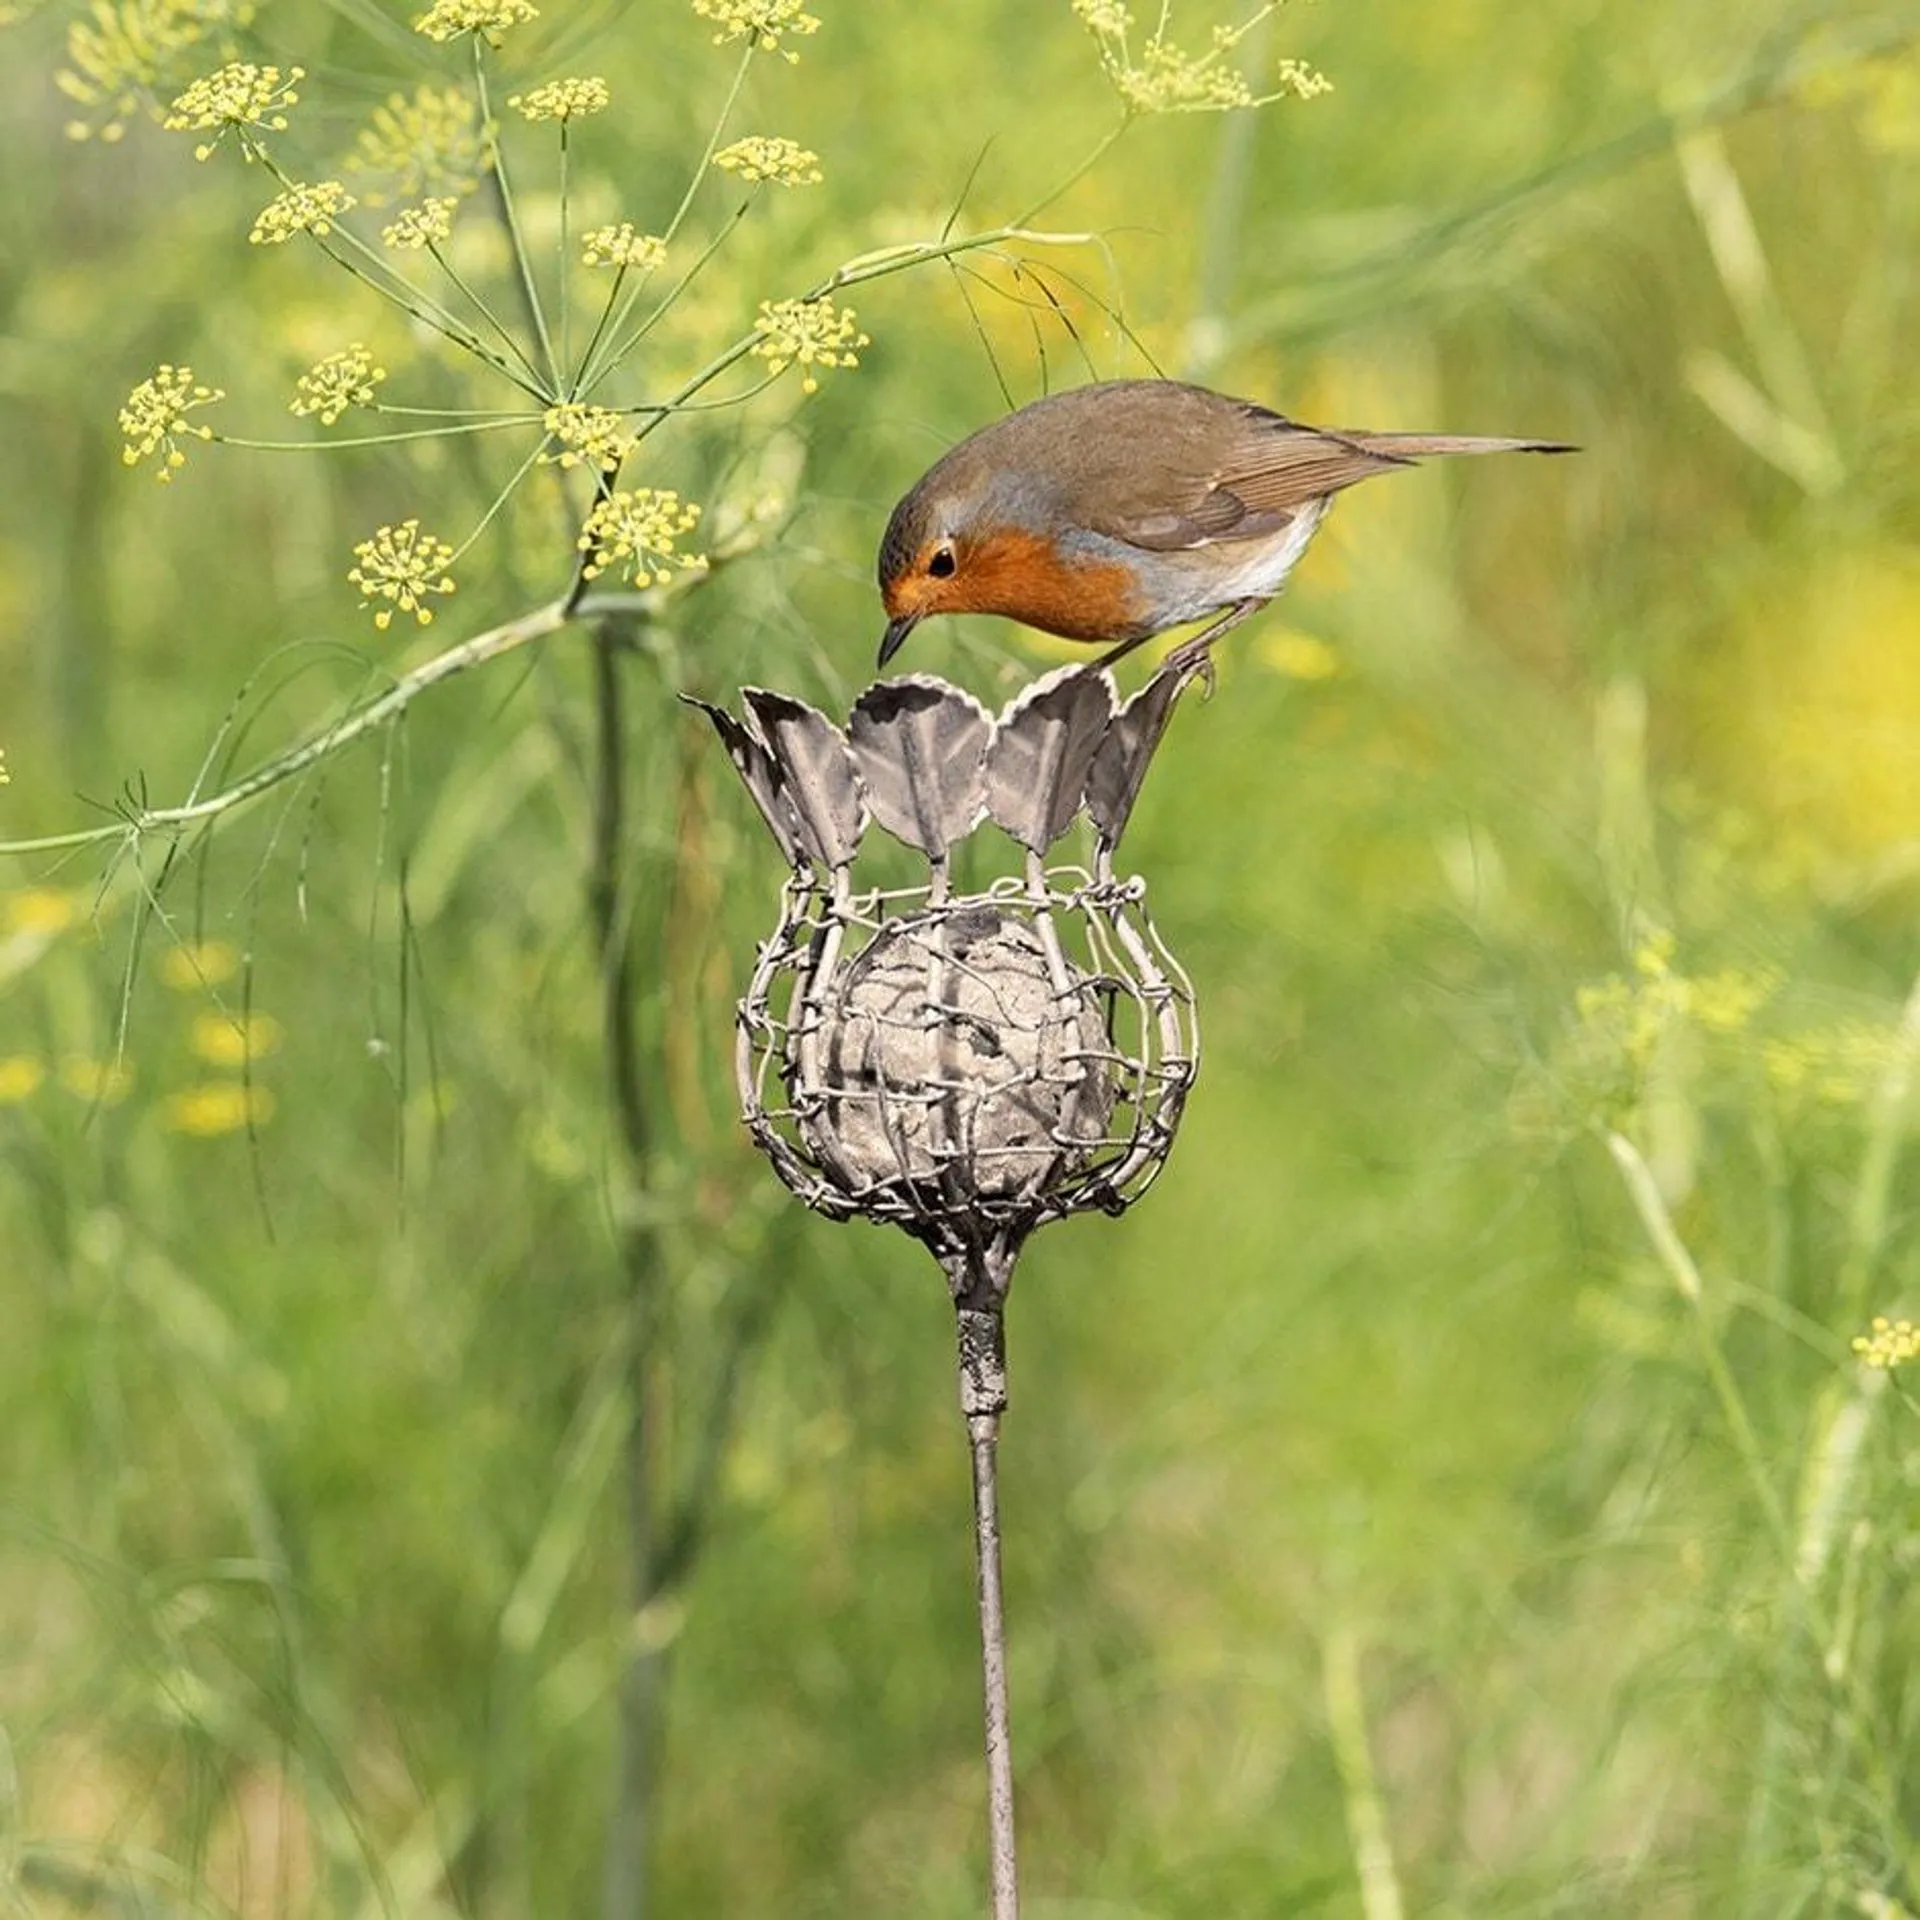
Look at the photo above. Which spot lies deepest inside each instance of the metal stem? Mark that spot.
(983, 1398)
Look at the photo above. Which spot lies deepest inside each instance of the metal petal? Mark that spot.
(1120, 767)
(921, 748)
(1042, 750)
(817, 772)
(761, 778)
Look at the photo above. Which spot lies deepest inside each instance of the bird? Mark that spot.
(1115, 511)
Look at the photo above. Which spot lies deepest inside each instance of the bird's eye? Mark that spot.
(940, 563)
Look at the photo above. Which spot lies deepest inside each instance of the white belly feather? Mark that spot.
(1202, 579)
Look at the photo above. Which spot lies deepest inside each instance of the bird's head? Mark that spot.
(925, 561)
(981, 535)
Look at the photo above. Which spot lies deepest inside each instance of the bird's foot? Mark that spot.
(1194, 660)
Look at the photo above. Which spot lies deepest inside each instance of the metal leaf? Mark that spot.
(1042, 749)
(761, 778)
(921, 747)
(817, 772)
(1120, 767)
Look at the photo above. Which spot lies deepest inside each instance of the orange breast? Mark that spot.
(1023, 576)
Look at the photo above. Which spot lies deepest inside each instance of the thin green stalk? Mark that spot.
(1855, 1711)
(1100, 151)
(1645, 1193)
(566, 266)
(579, 387)
(377, 439)
(1367, 1836)
(699, 174)
(1886, 1132)
(354, 724)
(395, 286)
(486, 312)
(430, 312)
(459, 413)
(853, 273)
(590, 380)
(522, 260)
(502, 497)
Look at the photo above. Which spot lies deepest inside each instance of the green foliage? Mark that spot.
(1455, 1489)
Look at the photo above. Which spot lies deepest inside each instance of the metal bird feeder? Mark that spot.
(966, 1066)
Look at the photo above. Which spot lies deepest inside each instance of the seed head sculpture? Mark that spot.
(964, 1065)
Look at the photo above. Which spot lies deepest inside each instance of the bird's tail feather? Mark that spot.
(1418, 446)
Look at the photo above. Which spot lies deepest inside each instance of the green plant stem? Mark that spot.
(355, 724)
(329, 445)
(592, 375)
(522, 260)
(565, 269)
(501, 498)
(481, 306)
(581, 383)
(1380, 1896)
(624, 1875)
(1873, 1189)
(1102, 147)
(693, 183)
(853, 273)
(1644, 1191)
(1854, 1712)
(394, 286)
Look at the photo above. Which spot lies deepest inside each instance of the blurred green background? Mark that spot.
(1391, 1528)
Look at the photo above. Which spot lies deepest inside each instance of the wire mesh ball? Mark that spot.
(976, 1066)
(947, 1051)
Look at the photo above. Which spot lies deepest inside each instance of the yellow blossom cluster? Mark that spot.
(199, 963)
(809, 334)
(301, 209)
(403, 566)
(121, 53)
(761, 21)
(1164, 78)
(240, 98)
(1888, 1343)
(235, 1039)
(154, 419)
(772, 157)
(219, 1107)
(563, 100)
(342, 380)
(1836, 1066)
(43, 911)
(6, 779)
(1635, 1013)
(588, 436)
(1884, 91)
(622, 245)
(449, 19)
(422, 142)
(638, 532)
(428, 225)
(21, 1077)
(101, 1083)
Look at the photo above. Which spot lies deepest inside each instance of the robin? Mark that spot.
(1116, 511)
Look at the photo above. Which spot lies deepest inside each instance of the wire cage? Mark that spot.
(964, 1065)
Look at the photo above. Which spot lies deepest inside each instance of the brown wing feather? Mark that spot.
(1270, 469)
(1165, 466)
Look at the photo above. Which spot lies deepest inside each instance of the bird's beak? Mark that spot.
(895, 636)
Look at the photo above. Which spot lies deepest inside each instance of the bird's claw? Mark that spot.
(1194, 663)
